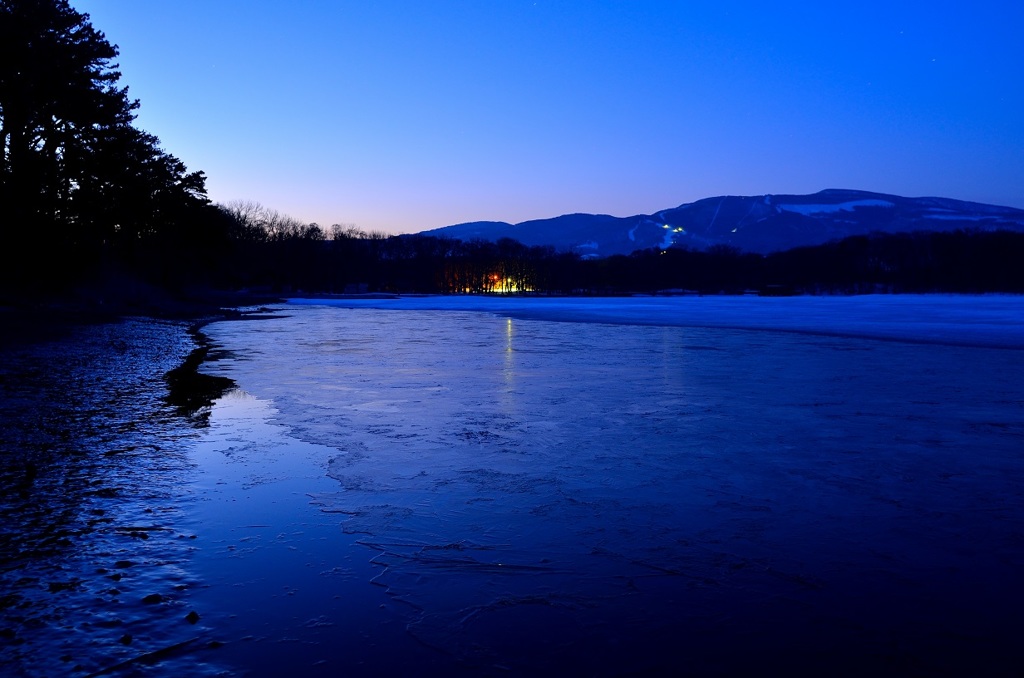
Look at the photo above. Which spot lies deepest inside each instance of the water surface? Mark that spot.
(404, 490)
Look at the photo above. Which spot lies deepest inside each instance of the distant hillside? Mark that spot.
(762, 224)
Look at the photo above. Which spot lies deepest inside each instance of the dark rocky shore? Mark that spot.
(28, 318)
(100, 395)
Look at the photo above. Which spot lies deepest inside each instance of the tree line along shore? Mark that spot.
(97, 214)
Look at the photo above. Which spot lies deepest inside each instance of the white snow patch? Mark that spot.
(960, 217)
(632, 233)
(840, 207)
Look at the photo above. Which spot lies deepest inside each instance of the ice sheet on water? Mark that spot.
(622, 497)
(972, 320)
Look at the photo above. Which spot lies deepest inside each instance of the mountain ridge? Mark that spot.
(761, 224)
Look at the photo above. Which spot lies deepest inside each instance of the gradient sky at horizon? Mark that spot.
(402, 116)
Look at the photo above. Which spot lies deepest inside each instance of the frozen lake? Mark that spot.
(617, 486)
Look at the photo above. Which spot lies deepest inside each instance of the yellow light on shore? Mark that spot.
(503, 286)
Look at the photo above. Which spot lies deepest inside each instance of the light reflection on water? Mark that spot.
(540, 496)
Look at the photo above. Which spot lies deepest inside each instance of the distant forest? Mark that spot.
(87, 199)
(308, 259)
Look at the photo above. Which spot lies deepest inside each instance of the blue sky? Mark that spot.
(404, 116)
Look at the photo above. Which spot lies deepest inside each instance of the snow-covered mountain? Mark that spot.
(763, 223)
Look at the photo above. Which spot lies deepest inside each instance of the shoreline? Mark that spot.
(31, 321)
(95, 478)
(27, 321)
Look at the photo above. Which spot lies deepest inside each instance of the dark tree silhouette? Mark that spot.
(57, 85)
(79, 185)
